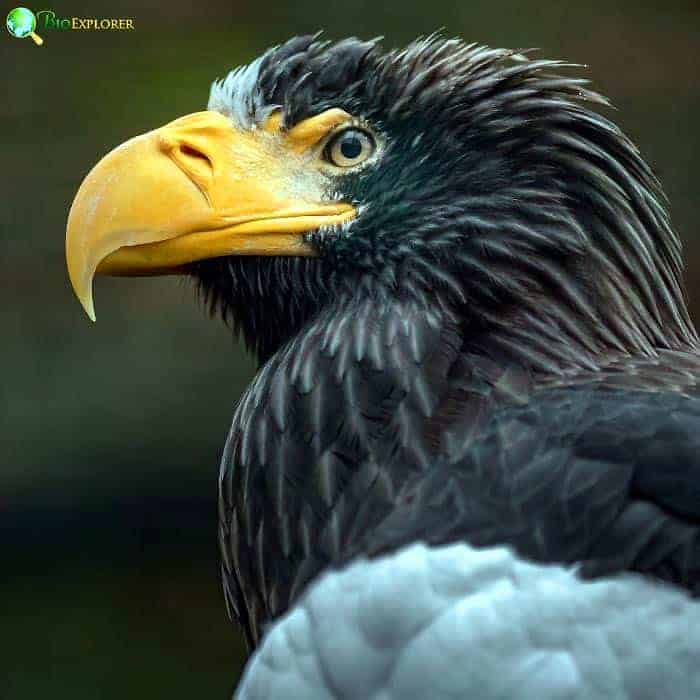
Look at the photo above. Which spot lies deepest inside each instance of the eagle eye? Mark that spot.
(349, 147)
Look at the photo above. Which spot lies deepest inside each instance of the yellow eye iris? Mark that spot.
(349, 147)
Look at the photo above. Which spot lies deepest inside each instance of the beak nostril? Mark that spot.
(195, 162)
(192, 152)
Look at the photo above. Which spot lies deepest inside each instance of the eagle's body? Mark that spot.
(331, 457)
(506, 359)
(487, 346)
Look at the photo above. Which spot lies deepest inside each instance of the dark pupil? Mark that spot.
(351, 147)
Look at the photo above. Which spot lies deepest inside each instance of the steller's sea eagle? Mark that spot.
(469, 463)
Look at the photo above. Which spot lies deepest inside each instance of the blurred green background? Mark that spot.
(111, 433)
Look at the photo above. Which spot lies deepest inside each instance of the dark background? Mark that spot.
(111, 433)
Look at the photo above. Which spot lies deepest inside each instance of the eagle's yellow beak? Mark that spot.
(198, 188)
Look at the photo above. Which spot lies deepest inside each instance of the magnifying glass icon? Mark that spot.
(21, 23)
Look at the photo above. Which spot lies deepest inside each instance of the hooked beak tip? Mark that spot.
(88, 304)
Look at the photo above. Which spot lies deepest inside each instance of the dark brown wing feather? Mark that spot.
(339, 449)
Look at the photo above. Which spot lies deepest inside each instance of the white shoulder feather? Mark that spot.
(457, 622)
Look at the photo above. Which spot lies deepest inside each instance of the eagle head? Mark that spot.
(480, 182)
